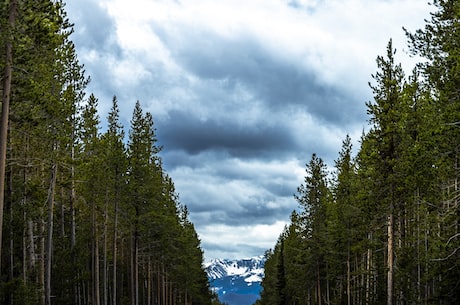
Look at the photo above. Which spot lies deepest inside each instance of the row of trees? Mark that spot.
(88, 218)
(385, 228)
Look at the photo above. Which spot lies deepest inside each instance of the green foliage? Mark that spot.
(117, 231)
(336, 250)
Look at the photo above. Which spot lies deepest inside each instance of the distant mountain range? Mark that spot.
(236, 282)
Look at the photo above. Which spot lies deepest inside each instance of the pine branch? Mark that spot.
(447, 257)
(452, 237)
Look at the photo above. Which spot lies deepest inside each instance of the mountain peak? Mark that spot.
(236, 281)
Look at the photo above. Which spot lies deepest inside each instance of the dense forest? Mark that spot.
(86, 217)
(383, 226)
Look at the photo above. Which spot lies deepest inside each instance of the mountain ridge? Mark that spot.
(236, 281)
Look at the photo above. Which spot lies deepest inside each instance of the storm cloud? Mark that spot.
(242, 93)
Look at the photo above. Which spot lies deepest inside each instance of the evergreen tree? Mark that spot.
(389, 234)
(61, 172)
(346, 226)
(115, 161)
(385, 117)
(314, 197)
(438, 43)
(293, 251)
(6, 96)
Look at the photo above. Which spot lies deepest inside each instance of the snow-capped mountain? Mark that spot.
(236, 282)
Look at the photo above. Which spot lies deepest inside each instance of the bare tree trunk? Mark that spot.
(95, 252)
(62, 216)
(115, 232)
(42, 260)
(7, 76)
(318, 284)
(73, 240)
(348, 279)
(72, 202)
(327, 285)
(369, 271)
(11, 232)
(149, 282)
(49, 242)
(24, 247)
(30, 226)
(136, 269)
(390, 260)
(170, 293)
(163, 287)
(104, 254)
(132, 262)
(97, 293)
(159, 286)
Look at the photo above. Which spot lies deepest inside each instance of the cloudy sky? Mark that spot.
(242, 93)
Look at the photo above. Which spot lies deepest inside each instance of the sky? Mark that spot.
(242, 92)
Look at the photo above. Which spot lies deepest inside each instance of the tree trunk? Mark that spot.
(95, 252)
(11, 231)
(136, 269)
(159, 286)
(7, 76)
(104, 254)
(149, 282)
(24, 248)
(30, 226)
(318, 284)
(49, 242)
(115, 232)
(369, 271)
(42, 260)
(73, 239)
(327, 285)
(97, 293)
(131, 271)
(62, 217)
(348, 279)
(72, 203)
(390, 260)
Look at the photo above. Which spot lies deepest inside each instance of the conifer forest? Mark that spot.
(383, 227)
(90, 217)
(86, 217)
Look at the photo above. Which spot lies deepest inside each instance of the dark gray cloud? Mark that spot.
(255, 210)
(279, 83)
(94, 30)
(188, 133)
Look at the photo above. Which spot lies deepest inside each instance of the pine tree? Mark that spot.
(314, 197)
(293, 251)
(60, 172)
(346, 226)
(438, 43)
(385, 117)
(6, 96)
(115, 165)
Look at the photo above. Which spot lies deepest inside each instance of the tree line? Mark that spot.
(383, 227)
(86, 217)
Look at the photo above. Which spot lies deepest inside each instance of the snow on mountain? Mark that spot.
(219, 268)
(253, 278)
(236, 282)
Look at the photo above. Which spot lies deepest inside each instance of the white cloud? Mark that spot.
(289, 72)
(239, 238)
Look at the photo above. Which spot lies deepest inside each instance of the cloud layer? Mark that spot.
(242, 92)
